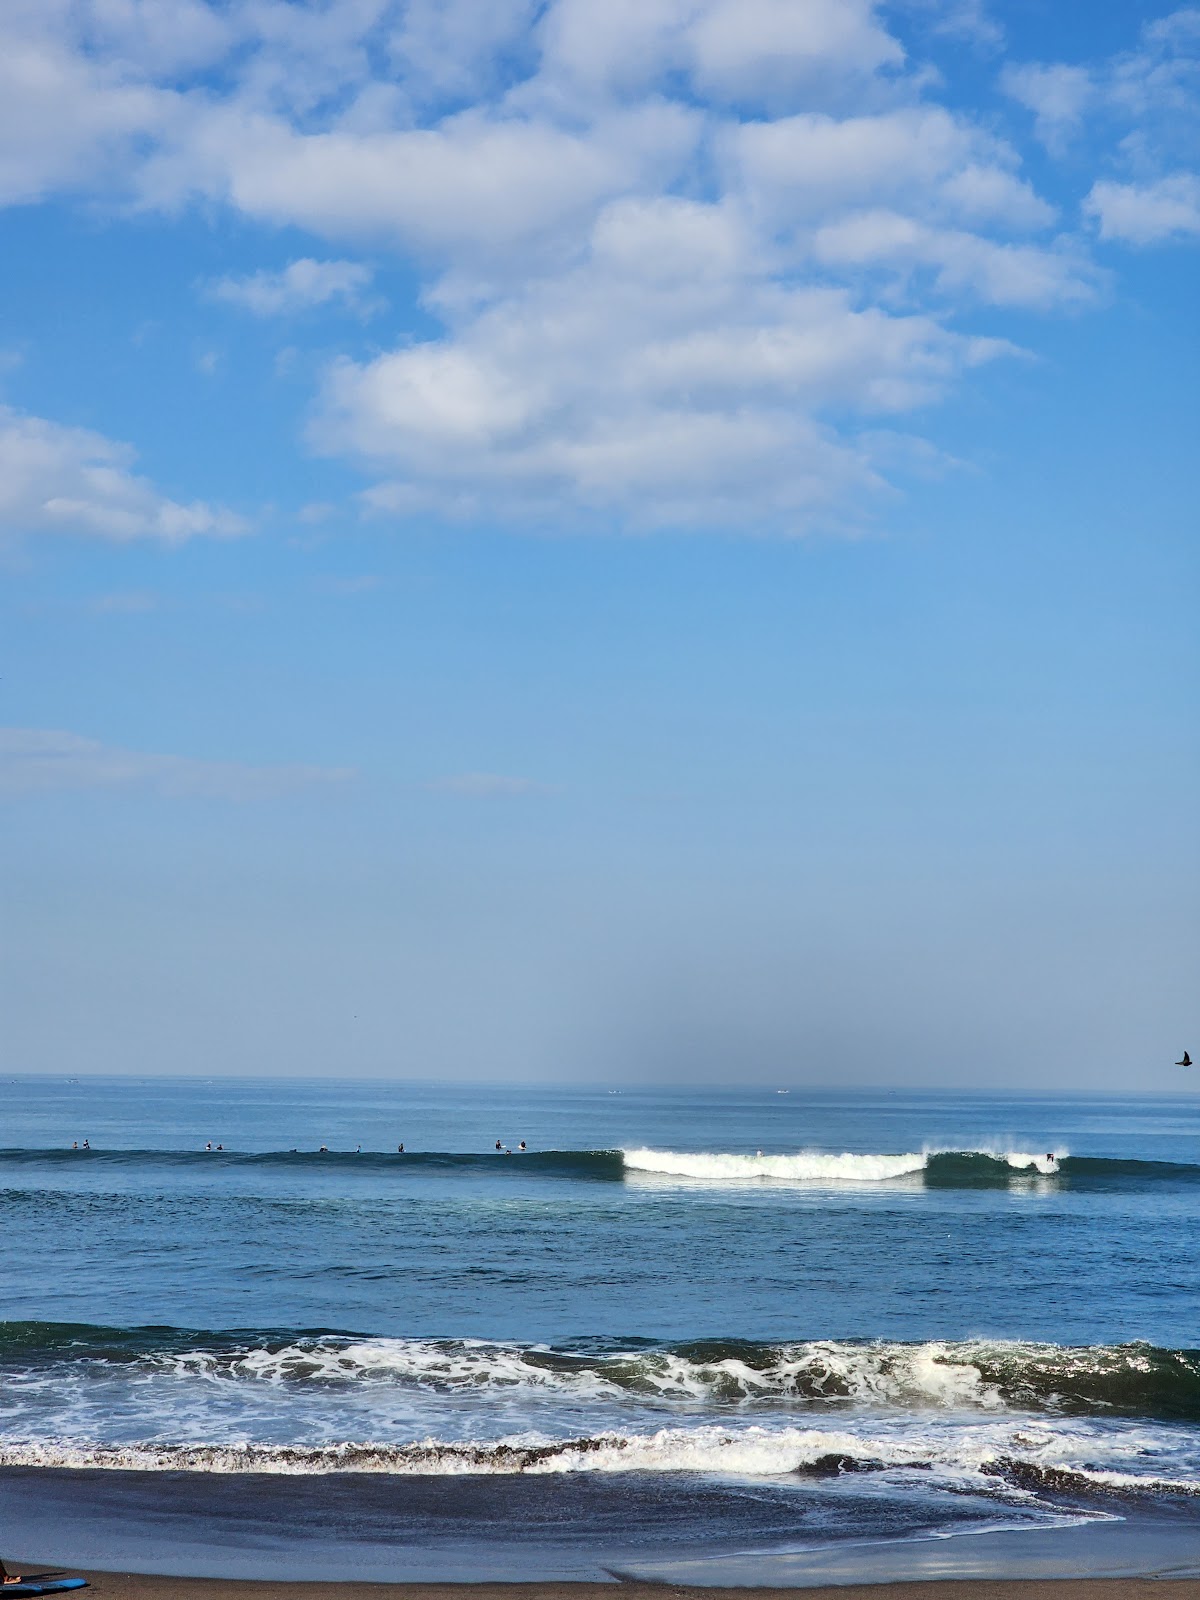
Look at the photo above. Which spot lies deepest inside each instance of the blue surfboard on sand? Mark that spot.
(44, 1586)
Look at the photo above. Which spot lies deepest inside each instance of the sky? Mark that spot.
(644, 541)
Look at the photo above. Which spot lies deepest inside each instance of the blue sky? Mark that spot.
(600, 542)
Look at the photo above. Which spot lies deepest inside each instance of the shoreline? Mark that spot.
(151, 1534)
(148, 1586)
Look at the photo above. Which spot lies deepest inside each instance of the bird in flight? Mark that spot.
(1186, 1062)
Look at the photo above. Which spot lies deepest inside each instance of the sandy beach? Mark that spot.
(140, 1586)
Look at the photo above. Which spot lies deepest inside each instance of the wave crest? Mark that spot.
(978, 1375)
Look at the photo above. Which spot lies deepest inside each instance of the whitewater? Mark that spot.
(814, 1166)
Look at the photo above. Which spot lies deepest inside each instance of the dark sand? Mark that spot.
(135, 1586)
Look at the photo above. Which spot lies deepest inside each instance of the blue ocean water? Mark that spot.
(755, 1319)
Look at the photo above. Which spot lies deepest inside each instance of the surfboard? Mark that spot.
(44, 1586)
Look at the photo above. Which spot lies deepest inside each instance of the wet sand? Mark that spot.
(140, 1586)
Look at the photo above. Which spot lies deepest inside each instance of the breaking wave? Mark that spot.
(991, 1376)
(808, 1167)
(1018, 1422)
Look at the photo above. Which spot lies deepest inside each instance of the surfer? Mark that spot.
(499, 1146)
(399, 1149)
(521, 1146)
(1186, 1062)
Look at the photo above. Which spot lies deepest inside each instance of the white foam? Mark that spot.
(936, 1373)
(809, 1166)
(1023, 1160)
(420, 1363)
(972, 1458)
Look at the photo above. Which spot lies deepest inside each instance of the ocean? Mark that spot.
(756, 1335)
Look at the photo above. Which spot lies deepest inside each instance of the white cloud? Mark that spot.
(66, 119)
(1145, 101)
(160, 36)
(477, 186)
(34, 760)
(755, 52)
(1161, 79)
(668, 379)
(299, 286)
(1147, 213)
(55, 479)
(1002, 274)
(795, 170)
(459, 49)
(687, 255)
(969, 20)
(1058, 94)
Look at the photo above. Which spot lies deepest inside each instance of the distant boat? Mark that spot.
(1186, 1062)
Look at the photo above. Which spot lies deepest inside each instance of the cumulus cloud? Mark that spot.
(1058, 94)
(1147, 101)
(1000, 273)
(796, 168)
(688, 256)
(669, 378)
(477, 186)
(67, 119)
(299, 286)
(758, 53)
(1147, 213)
(56, 479)
(1156, 85)
(34, 760)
